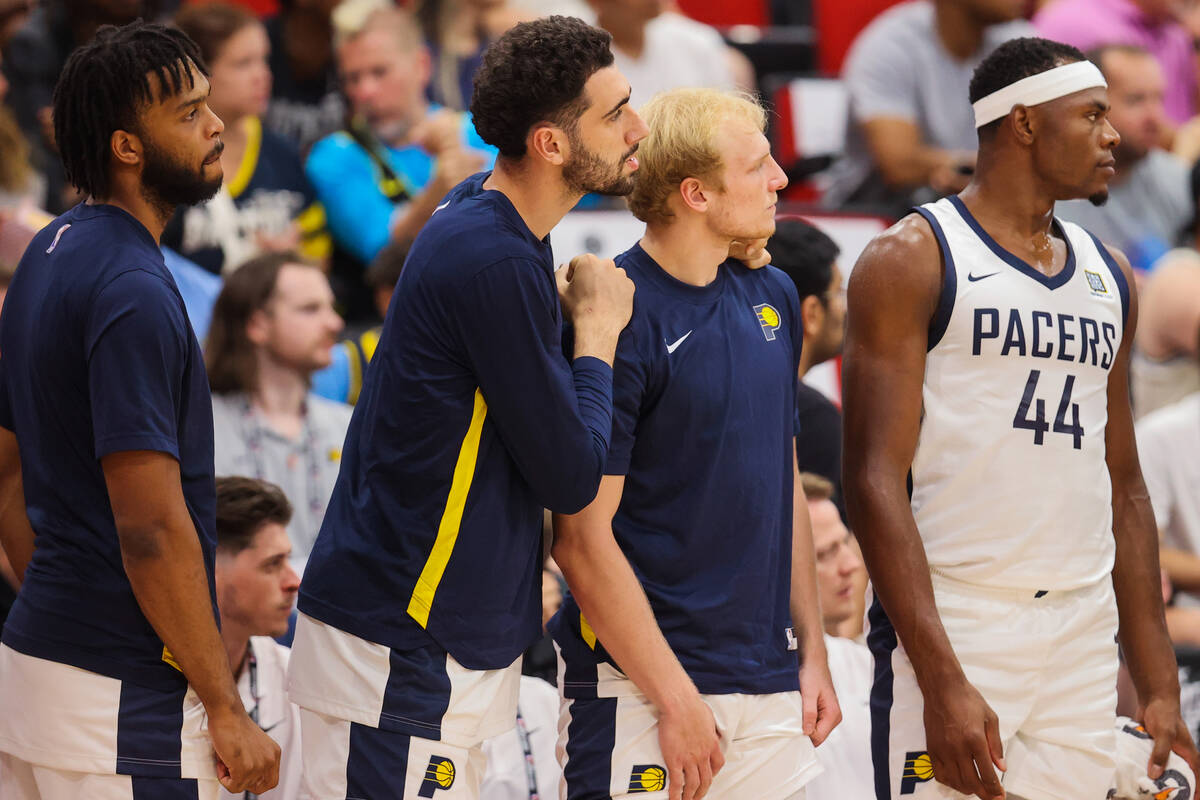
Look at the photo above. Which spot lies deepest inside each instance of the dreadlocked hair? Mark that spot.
(104, 86)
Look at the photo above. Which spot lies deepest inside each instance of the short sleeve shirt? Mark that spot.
(97, 357)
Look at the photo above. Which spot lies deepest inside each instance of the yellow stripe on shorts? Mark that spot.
(585, 630)
(464, 471)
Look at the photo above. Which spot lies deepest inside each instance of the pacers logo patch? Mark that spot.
(438, 775)
(647, 778)
(1172, 786)
(918, 768)
(768, 319)
(1095, 282)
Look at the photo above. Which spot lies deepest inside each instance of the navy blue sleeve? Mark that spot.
(6, 415)
(554, 417)
(630, 378)
(136, 342)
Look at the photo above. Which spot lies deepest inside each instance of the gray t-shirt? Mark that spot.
(899, 68)
(305, 468)
(1145, 212)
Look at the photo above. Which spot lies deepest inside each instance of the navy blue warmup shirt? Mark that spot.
(469, 423)
(704, 401)
(97, 357)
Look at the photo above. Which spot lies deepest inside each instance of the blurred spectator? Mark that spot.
(1163, 367)
(846, 754)
(911, 133)
(273, 326)
(256, 591)
(1169, 450)
(521, 763)
(657, 49)
(383, 177)
(33, 60)
(342, 380)
(457, 32)
(266, 204)
(1150, 24)
(13, 16)
(809, 258)
(20, 184)
(306, 102)
(197, 286)
(1148, 199)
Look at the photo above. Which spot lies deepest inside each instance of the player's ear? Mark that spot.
(548, 142)
(1023, 123)
(126, 148)
(812, 314)
(693, 194)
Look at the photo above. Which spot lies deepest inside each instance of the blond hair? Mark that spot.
(682, 143)
(352, 18)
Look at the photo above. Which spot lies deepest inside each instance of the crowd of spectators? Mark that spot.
(346, 124)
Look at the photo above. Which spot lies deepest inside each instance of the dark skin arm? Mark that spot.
(163, 560)
(892, 296)
(16, 535)
(1136, 579)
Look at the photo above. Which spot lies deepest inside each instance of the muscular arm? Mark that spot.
(616, 608)
(905, 161)
(1136, 581)
(164, 563)
(16, 535)
(893, 293)
(821, 710)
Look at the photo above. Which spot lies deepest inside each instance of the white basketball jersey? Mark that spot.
(1010, 487)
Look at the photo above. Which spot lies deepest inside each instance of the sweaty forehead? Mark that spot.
(604, 90)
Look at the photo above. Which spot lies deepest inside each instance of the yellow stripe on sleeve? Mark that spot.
(464, 471)
(585, 629)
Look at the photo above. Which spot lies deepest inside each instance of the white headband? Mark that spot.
(1036, 89)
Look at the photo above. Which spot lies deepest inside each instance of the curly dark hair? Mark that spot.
(1017, 59)
(536, 72)
(106, 84)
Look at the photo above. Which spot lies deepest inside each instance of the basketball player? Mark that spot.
(694, 562)
(114, 683)
(423, 588)
(987, 367)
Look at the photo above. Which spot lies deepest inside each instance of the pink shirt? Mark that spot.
(1091, 23)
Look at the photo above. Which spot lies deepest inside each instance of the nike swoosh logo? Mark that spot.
(443, 205)
(974, 278)
(671, 348)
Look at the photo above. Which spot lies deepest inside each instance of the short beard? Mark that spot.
(167, 183)
(586, 172)
(1099, 198)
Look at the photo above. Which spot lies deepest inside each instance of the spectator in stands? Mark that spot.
(20, 184)
(382, 177)
(306, 102)
(33, 60)
(841, 577)
(1163, 366)
(1148, 199)
(342, 380)
(13, 16)
(456, 33)
(273, 326)
(521, 763)
(1150, 24)
(256, 591)
(266, 204)
(657, 49)
(911, 133)
(809, 258)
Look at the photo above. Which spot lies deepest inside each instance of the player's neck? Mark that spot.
(959, 32)
(127, 195)
(280, 395)
(539, 196)
(687, 252)
(1005, 201)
